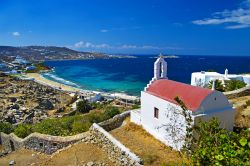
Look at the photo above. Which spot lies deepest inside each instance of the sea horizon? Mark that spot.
(117, 75)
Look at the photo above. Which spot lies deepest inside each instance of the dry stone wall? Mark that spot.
(98, 134)
(114, 122)
(238, 93)
(39, 142)
(115, 150)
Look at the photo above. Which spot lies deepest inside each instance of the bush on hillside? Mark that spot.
(110, 112)
(136, 106)
(80, 126)
(218, 85)
(217, 146)
(6, 128)
(231, 85)
(83, 106)
(23, 130)
(69, 125)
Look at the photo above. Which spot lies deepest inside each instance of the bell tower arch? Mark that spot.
(160, 68)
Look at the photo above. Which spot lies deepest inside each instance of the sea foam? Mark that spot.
(60, 80)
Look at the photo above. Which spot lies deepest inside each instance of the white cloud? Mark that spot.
(82, 44)
(234, 19)
(147, 47)
(16, 34)
(89, 45)
(126, 46)
(104, 30)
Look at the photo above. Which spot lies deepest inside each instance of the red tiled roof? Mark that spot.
(192, 96)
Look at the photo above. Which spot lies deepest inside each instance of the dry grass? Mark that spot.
(152, 151)
(78, 154)
(242, 116)
(24, 157)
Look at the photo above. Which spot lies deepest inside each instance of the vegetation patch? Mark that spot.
(217, 146)
(65, 126)
(39, 67)
(6, 128)
(230, 85)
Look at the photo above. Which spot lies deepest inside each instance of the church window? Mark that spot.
(156, 112)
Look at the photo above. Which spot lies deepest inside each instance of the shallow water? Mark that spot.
(131, 75)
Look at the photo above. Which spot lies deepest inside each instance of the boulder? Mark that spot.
(13, 99)
(46, 104)
(15, 106)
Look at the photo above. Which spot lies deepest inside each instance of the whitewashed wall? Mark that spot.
(161, 128)
(135, 116)
(171, 121)
(216, 105)
(197, 78)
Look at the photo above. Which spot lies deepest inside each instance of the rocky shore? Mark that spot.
(28, 101)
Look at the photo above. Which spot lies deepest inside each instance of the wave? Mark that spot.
(60, 80)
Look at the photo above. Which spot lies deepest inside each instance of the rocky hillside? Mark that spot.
(41, 53)
(22, 100)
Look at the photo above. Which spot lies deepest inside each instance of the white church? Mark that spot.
(160, 114)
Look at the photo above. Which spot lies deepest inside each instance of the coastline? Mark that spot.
(67, 88)
(40, 79)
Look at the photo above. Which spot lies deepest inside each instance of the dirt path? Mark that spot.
(78, 154)
(23, 157)
(145, 146)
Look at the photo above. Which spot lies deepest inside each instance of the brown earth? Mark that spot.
(153, 152)
(23, 157)
(242, 116)
(78, 154)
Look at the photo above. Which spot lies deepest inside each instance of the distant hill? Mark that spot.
(41, 53)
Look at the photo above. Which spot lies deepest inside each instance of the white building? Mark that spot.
(160, 114)
(203, 78)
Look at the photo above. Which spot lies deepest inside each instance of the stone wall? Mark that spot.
(39, 142)
(238, 93)
(98, 134)
(114, 122)
(115, 150)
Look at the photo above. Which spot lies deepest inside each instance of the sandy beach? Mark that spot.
(40, 79)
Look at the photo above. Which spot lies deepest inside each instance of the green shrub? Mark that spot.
(218, 85)
(53, 127)
(6, 128)
(80, 126)
(136, 106)
(231, 85)
(96, 105)
(110, 112)
(216, 146)
(68, 125)
(95, 117)
(83, 106)
(23, 130)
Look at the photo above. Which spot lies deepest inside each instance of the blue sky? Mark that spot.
(206, 27)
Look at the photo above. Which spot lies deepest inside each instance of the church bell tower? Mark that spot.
(160, 70)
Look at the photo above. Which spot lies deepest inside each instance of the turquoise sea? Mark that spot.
(130, 75)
